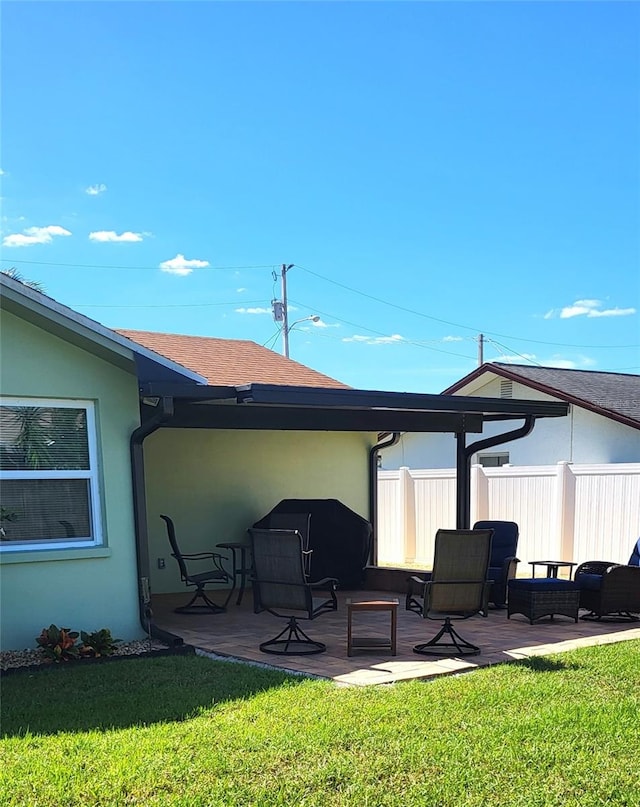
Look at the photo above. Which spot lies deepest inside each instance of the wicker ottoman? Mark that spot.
(542, 596)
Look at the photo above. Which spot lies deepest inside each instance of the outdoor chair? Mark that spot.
(503, 562)
(280, 584)
(295, 521)
(610, 589)
(457, 589)
(502, 566)
(214, 573)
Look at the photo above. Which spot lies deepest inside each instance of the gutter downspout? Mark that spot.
(463, 465)
(373, 492)
(140, 520)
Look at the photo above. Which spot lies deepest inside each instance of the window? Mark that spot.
(48, 475)
(493, 460)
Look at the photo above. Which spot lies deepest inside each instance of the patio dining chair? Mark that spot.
(281, 585)
(457, 589)
(212, 572)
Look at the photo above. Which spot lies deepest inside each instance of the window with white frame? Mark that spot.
(49, 497)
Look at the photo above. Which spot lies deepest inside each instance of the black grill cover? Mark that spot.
(340, 539)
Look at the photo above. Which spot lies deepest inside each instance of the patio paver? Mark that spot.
(238, 632)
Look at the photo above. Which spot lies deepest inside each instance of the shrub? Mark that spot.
(58, 644)
(99, 643)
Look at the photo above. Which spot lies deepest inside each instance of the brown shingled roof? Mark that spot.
(231, 361)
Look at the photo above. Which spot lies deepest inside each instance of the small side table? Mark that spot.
(372, 643)
(552, 566)
(241, 564)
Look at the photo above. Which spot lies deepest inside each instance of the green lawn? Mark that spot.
(562, 730)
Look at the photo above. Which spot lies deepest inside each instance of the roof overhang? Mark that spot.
(270, 406)
(63, 322)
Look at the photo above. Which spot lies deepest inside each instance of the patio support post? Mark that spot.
(165, 413)
(373, 492)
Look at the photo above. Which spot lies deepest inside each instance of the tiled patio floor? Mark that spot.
(238, 632)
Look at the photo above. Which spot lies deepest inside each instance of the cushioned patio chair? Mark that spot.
(457, 589)
(610, 589)
(213, 573)
(281, 585)
(503, 562)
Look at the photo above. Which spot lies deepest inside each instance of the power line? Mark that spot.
(170, 305)
(447, 322)
(134, 268)
(381, 333)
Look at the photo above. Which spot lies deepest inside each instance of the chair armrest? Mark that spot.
(594, 567)
(326, 582)
(202, 556)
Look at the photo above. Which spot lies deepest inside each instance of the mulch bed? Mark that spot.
(21, 661)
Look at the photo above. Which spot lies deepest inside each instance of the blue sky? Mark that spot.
(433, 170)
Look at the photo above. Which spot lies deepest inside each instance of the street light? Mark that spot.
(286, 330)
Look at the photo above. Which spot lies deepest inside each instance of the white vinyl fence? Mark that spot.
(564, 511)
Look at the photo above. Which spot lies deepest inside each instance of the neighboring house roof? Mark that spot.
(59, 320)
(612, 395)
(232, 361)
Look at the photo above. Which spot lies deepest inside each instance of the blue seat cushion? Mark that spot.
(541, 584)
(634, 560)
(591, 582)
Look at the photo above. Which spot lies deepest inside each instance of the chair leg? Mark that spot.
(206, 607)
(618, 616)
(292, 641)
(434, 647)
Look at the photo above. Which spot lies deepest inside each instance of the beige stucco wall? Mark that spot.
(216, 484)
(81, 588)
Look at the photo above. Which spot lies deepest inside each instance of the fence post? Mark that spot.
(407, 514)
(565, 509)
(479, 494)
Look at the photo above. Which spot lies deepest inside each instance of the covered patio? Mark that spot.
(238, 632)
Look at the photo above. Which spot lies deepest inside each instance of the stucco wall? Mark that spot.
(581, 437)
(80, 588)
(216, 484)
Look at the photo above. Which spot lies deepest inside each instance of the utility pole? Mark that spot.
(480, 349)
(285, 310)
(280, 309)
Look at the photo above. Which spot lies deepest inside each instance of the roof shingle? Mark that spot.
(231, 361)
(615, 395)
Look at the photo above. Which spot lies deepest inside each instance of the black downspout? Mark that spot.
(140, 519)
(373, 493)
(463, 466)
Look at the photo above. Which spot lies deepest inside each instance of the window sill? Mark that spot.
(46, 555)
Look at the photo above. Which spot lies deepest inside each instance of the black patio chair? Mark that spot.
(295, 521)
(458, 588)
(610, 590)
(280, 584)
(214, 573)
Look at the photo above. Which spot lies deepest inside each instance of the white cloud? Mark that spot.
(322, 324)
(182, 266)
(588, 308)
(240, 290)
(253, 310)
(517, 359)
(453, 339)
(34, 235)
(96, 190)
(376, 340)
(2, 173)
(111, 236)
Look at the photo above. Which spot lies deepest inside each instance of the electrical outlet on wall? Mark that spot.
(161, 563)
